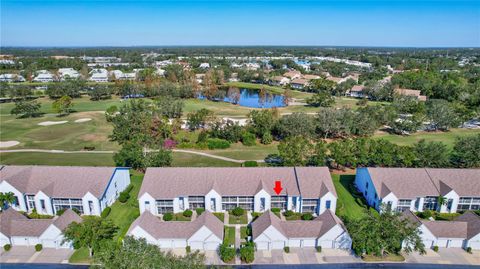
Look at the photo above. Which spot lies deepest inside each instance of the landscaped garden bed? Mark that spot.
(238, 216)
(229, 235)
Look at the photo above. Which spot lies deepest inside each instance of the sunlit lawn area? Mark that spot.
(81, 255)
(446, 137)
(70, 159)
(243, 232)
(232, 219)
(348, 206)
(220, 216)
(229, 235)
(240, 152)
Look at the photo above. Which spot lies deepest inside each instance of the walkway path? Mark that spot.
(111, 151)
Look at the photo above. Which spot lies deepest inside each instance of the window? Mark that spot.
(430, 203)
(366, 185)
(328, 204)
(67, 203)
(90, 207)
(279, 202)
(195, 202)
(31, 202)
(403, 204)
(230, 202)
(469, 203)
(164, 206)
(42, 204)
(309, 205)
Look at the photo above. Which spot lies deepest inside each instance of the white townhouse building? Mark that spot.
(44, 76)
(462, 232)
(203, 233)
(326, 231)
(304, 189)
(419, 189)
(279, 81)
(66, 73)
(18, 230)
(11, 78)
(99, 75)
(48, 189)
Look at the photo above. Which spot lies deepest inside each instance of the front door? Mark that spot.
(212, 205)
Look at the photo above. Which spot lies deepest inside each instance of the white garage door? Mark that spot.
(210, 245)
(24, 241)
(277, 245)
(308, 243)
(49, 243)
(196, 245)
(295, 243)
(442, 243)
(326, 244)
(475, 244)
(179, 243)
(428, 243)
(455, 243)
(262, 245)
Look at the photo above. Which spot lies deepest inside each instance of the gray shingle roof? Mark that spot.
(447, 229)
(177, 229)
(296, 229)
(175, 182)
(473, 221)
(66, 218)
(58, 181)
(409, 183)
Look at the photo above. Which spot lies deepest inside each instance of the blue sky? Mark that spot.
(330, 23)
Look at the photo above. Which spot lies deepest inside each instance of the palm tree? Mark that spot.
(6, 199)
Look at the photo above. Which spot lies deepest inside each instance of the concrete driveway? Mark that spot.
(304, 256)
(28, 255)
(446, 256)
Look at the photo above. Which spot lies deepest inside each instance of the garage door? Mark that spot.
(196, 245)
(277, 245)
(23, 241)
(455, 243)
(179, 243)
(262, 245)
(475, 244)
(295, 243)
(428, 243)
(49, 243)
(308, 243)
(326, 244)
(210, 245)
(442, 243)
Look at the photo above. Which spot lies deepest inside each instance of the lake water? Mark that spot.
(253, 98)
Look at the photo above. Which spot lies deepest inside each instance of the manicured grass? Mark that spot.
(348, 206)
(446, 137)
(243, 219)
(124, 214)
(80, 255)
(181, 159)
(387, 258)
(229, 235)
(240, 152)
(243, 232)
(70, 159)
(220, 216)
(295, 216)
(180, 217)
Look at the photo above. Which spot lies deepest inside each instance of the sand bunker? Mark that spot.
(83, 120)
(7, 144)
(48, 123)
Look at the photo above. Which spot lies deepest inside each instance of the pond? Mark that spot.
(250, 98)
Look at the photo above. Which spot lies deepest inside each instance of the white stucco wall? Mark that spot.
(474, 242)
(270, 238)
(218, 201)
(323, 203)
(141, 203)
(204, 238)
(256, 201)
(336, 237)
(5, 187)
(4, 240)
(48, 210)
(96, 205)
(138, 232)
(119, 182)
(455, 199)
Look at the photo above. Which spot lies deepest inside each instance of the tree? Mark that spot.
(466, 152)
(431, 154)
(298, 151)
(90, 232)
(383, 234)
(200, 119)
(323, 99)
(158, 158)
(296, 124)
(234, 95)
(170, 107)
(131, 155)
(63, 105)
(137, 253)
(26, 108)
(442, 115)
(342, 152)
(7, 199)
(100, 92)
(262, 121)
(322, 85)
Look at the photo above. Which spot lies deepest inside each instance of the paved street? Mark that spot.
(446, 256)
(28, 255)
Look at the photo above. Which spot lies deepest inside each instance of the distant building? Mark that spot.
(43, 76)
(204, 65)
(279, 81)
(99, 75)
(299, 83)
(293, 74)
(66, 73)
(11, 78)
(412, 93)
(357, 91)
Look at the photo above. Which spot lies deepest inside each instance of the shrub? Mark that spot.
(250, 164)
(248, 139)
(38, 247)
(288, 213)
(435, 248)
(129, 188)
(123, 197)
(60, 212)
(199, 211)
(167, 216)
(35, 215)
(187, 213)
(319, 249)
(202, 137)
(247, 253)
(89, 148)
(217, 143)
(188, 249)
(7, 247)
(237, 211)
(227, 253)
(286, 249)
(469, 250)
(255, 215)
(275, 210)
(425, 214)
(307, 216)
(106, 212)
(249, 230)
(266, 139)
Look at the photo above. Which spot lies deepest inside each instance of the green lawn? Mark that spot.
(80, 255)
(446, 137)
(295, 216)
(243, 219)
(180, 217)
(240, 152)
(220, 216)
(181, 159)
(124, 214)
(348, 207)
(229, 235)
(388, 258)
(243, 232)
(70, 159)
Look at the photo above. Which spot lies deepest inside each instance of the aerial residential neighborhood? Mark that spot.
(239, 134)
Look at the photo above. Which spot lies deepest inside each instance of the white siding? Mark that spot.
(6, 187)
(120, 180)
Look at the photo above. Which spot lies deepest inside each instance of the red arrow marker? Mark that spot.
(278, 187)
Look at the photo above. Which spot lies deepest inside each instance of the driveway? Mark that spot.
(304, 256)
(28, 255)
(446, 256)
